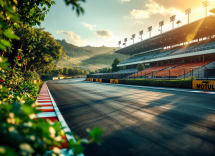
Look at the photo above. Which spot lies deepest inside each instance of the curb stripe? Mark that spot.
(62, 121)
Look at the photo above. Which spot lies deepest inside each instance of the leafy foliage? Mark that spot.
(67, 72)
(28, 88)
(103, 70)
(39, 50)
(114, 65)
(140, 67)
(21, 134)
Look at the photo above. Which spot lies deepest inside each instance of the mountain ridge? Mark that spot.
(74, 56)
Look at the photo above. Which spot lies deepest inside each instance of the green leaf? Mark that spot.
(5, 43)
(10, 35)
(2, 46)
(86, 141)
(95, 132)
(15, 1)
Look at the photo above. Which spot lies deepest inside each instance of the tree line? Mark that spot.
(67, 72)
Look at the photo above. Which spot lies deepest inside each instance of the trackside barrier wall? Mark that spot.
(186, 84)
(114, 81)
(203, 85)
(45, 78)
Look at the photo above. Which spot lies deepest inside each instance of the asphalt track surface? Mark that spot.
(138, 121)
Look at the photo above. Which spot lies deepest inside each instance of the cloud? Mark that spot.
(91, 27)
(139, 14)
(138, 22)
(152, 8)
(103, 33)
(179, 4)
(75, 39)
(125, 0)
(100, 33)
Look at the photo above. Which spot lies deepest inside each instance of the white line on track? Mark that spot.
(44, 100)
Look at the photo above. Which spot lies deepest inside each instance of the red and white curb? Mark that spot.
(50, 111)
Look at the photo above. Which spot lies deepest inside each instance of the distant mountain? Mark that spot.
(74, 51)
(87, 57)
(100, 50)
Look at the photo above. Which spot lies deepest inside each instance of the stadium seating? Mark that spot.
(184, 48)
(165, 53)
(193, 47)
(141, 57)
(133, 70)
(155, 69)
(181, 69)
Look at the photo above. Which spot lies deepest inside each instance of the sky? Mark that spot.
(105, 22)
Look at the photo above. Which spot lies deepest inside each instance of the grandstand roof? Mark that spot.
(198, 29)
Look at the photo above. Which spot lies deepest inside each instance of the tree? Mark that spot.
(39, 50)
(65, 71)
(70, 71)
(114, 65)
(140, 67)
(60, 71)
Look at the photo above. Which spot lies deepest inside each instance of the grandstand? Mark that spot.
(175, 53)
(185, 51)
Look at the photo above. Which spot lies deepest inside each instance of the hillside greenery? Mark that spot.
(100, 50)
(73, 56)
(106, 59)
(71, 50)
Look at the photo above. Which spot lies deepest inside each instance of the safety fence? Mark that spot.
(185, 73)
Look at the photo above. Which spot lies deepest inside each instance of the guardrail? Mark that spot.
(194, 84)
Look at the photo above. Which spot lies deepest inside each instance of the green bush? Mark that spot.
(29, 87)
(140, 67)
(21, 134)
(29, 75)
(187, 84)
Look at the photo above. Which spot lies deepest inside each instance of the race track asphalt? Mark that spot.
(138, 121)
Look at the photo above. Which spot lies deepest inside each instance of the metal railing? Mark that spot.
(185, 73)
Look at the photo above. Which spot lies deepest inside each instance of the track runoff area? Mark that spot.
(138, 120)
